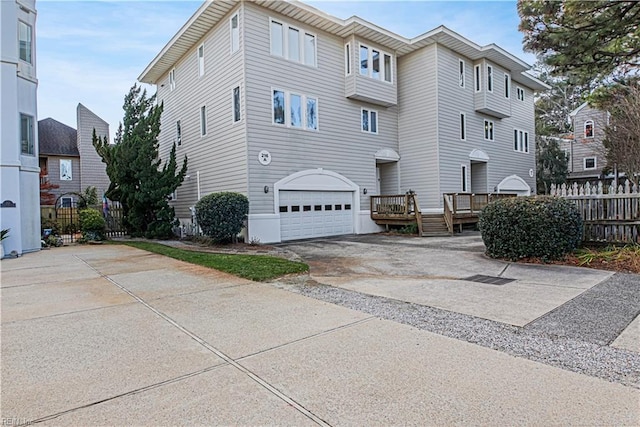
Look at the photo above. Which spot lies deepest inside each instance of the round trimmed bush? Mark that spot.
(92, 224)
(521, 227)
(221, 215)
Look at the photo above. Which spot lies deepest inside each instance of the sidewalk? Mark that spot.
(95, 335)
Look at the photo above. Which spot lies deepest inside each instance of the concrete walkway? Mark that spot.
(111, 335)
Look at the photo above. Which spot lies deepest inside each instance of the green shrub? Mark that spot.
(221, 215)
(521, 227)
(409, 229)
(92, 224)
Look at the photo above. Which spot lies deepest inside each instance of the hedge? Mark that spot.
(522, 227)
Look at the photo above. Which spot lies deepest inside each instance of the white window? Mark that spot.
(172, 79)
(478, 84)
(297, 45)
(369, 121)
(463, 126)
(520, 93)
(461, 68)
(235, 33)
(201, 60)
(463, 182)
(65, 170)
(347, 58)
(66, 202)
(178, 133)
(203, 120)
(295, 110)
(236, 104)
(277, 38)
(375, 64)
(507, 85)
(488, 130)
(25, 42)
(520, 141)
(588, 129)
(590, 163)
(489, 78)
(26, 134)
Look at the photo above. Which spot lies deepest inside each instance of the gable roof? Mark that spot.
(577, 110)
(212, 11)
(57, 139)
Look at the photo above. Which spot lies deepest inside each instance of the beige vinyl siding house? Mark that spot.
(309, 115)
(585, 150)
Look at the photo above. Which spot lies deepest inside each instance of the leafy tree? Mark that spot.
(139, 180)
(552, 164)
(593, 41)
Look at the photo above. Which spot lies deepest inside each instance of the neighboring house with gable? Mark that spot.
(19, 192)
(309, 115)
(68, 158)
(584, 149)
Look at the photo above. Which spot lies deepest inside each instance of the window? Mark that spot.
(236, 104)
(295, 110)
(461, 73)
(489, 78)
(520, 93)
(588, 129)
(201, 60)
(25, 42)
(172, 79)
(364, 60)
(26, 134)
(66, 202)
(347, 58)
(375, 64)
(463, 177)
(520, 141)
(507, 85)
(463, 127)
(488, 130)
(298, 46)
(590, 163)
(302, 111)
(369, 121)
(312, 113)
(478, 85)
(235, 33)
(203, 120)
(65, 170)
(178, 133)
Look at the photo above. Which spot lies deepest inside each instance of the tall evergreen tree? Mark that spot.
(552, 164)
(139, 180)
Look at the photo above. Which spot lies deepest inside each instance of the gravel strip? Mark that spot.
(601, 361)
(598, 315)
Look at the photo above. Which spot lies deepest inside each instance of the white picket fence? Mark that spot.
(610, 214)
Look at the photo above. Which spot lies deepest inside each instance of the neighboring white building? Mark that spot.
(20, 184)
(309, 115)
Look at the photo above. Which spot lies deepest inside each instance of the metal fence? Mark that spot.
(611, 214)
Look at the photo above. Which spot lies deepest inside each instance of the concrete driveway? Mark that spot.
(111, 335)
(436, 272)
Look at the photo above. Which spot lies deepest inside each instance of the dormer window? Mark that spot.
(588, 129)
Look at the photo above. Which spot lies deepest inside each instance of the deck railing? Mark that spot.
(467, 204)
(402, 207)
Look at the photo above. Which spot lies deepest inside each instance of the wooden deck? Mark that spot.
(459, 209)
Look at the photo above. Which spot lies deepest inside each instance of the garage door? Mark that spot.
(305, 214)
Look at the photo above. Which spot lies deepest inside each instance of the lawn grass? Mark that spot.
(258, 268)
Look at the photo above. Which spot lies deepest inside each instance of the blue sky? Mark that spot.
(93, 51)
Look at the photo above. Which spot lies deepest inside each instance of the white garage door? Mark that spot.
(305, 214)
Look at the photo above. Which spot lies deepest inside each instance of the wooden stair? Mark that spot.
(433, 225)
